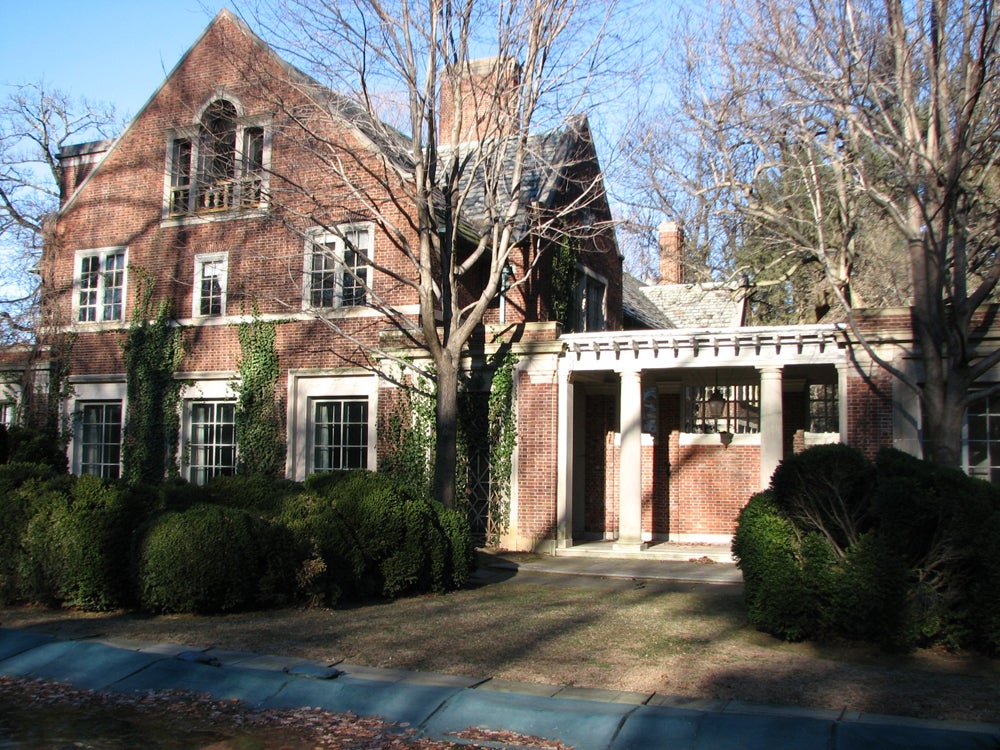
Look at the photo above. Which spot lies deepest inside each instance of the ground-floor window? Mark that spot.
(211, 443)
(981, 451)
(101, 438)
(340, 433)
(722, 408)
(824, 408)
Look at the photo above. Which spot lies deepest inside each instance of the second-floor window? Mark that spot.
(219, 165)
(337, 270)
(210, 273)
(100, 285)
(588, 302)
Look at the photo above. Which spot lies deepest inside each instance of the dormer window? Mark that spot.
(218, 165)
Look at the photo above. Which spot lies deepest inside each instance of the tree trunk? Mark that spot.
(446, 439)
(942, 420)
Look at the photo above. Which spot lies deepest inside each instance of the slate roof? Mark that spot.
(709, 305)
(639, 308)
(546, 160)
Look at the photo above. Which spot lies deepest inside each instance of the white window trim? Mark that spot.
(317, 236)
(88, 392)
(304, 388)
(102, 253)
(191, 132)
(200, 261)
(193, 391)
(10, 396)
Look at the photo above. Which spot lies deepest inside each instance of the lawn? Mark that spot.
(685, 640)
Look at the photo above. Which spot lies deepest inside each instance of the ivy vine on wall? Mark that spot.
(258, 431)
(564, 259)
(503, 441)
(152, 351)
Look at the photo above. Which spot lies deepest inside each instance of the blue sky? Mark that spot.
(117, 51)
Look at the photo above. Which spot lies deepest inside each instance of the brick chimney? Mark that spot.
(76, 162)
(671, 246)
(483, 102)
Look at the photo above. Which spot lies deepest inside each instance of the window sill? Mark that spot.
(712, 438)
(97, 327)
(210, 217)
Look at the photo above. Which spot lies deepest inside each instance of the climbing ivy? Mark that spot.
(407, 435)
(503, 441)
(564, 260)
(258, 432)
(152, 351)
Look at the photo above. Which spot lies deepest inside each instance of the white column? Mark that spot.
(771, 428)
(564, 480)
(630, 482)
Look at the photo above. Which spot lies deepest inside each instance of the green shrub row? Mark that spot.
(238, 543)
(897, 551)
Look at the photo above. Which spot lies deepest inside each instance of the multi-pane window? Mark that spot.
(589, 302)
(982, 438)
(218, 165)
(725, 408)
(824, 411)
(100, 282)
(340, 434)
(338, 270)
(212, 440)
(101, 438)
(210, 284)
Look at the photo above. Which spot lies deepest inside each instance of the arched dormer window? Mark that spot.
(219, 165)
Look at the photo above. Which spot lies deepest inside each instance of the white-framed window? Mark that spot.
(338, 268)
(211, 439)
(219, 164)
(100, 431)
(331, 420)
(981, 439)
(722, 408)
(339, 433)
(7, 411)
(211, 272)
(589, 301)
(99, 285)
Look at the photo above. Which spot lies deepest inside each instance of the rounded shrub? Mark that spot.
(899, 552)
(25, 489)
(766, 550)
(254, 492)
(826, 489)
(95, 531)
(368, 536)
(204, 559)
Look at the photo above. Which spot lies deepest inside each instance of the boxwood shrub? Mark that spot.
(897, 551)
(210, 558)
(367, 535)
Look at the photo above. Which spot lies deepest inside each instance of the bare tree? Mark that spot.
(35, 123)
(459, 181)
(843, 133)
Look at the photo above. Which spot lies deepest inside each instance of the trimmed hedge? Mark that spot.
(898, 552)
(367, 535)
(238, 543)
(210, 558)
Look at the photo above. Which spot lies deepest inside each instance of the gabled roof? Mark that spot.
(548, 158)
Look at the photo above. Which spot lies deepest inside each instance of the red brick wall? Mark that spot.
(537, 440)
(869, 410)
(710, 486)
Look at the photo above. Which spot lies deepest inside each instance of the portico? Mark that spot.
(644, 453)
